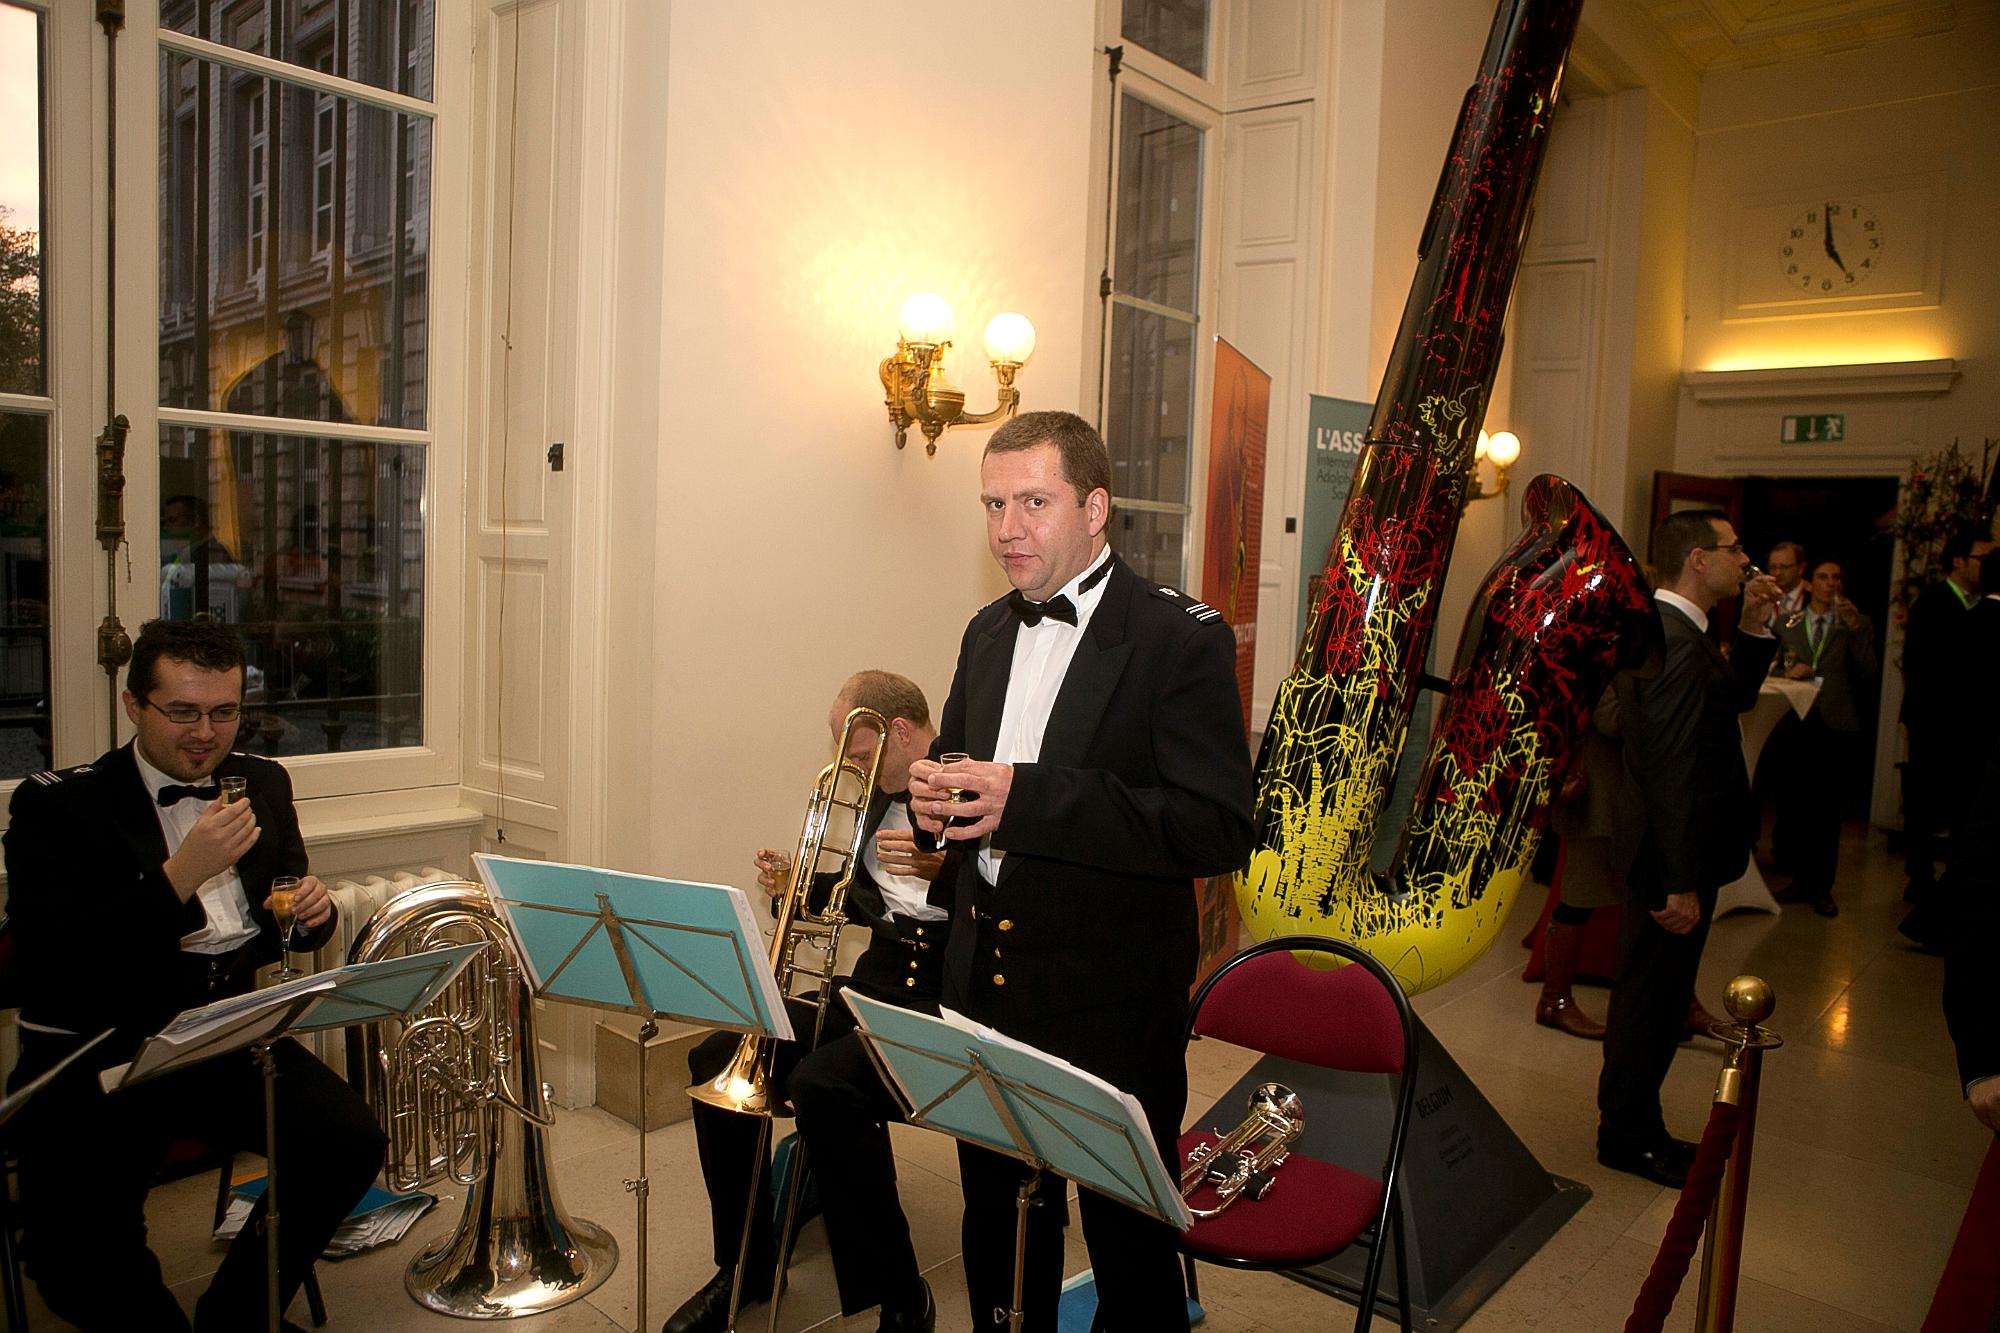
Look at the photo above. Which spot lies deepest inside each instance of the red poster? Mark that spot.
(1242, 412)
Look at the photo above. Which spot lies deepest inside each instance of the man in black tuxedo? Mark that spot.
(1969, 897)
(1685, 827)
(1833, 642)
(136, 893)
(1109, 770)
(902, 895)
(1936, 675)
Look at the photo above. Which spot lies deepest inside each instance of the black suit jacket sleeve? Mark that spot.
(1690, 780)
(1189, 820)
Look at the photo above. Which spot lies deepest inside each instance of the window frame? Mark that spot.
(1160, 83)
(81, 719)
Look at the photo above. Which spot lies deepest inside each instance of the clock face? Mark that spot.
(1833, 247)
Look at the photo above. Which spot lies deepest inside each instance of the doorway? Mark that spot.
(1845, 519)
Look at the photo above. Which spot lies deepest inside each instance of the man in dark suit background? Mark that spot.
(1109, 770)
(900, 894)
(1935, 676)
(1686, 824)
(1969, 893)
(136, 893)
(1833, 642)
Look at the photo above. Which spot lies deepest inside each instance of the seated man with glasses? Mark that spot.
(139, 886)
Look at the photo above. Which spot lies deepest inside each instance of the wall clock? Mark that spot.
(1834, 246)
(1851, 247)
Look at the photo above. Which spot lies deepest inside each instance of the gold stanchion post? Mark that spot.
(1750, 1001)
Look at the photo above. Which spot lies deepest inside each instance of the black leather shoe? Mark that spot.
(707, 1311)
(1824, 904)
(921, 1320)
(1661, 1165)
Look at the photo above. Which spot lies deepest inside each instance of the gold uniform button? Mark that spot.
(1006, 924)
(909, 981)
(996, 953)
(913, 965)
(920, 930)
(999, 980)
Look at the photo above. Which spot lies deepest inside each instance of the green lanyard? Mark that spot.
(1959, 593)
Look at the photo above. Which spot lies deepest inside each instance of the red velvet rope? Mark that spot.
(1670, 1265)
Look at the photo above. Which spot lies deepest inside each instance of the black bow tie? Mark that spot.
(1033, 613)
(172, 794)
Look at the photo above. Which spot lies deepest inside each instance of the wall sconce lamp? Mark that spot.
(1501, 449)
(913, 379)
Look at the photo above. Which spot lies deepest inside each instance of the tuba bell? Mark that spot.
(459, 1093)
(1242, 1162)
(744, 1085)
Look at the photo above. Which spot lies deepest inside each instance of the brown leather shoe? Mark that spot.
(1560, 1012)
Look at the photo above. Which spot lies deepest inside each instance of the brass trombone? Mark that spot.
(744, 1085)
(1242, 1162)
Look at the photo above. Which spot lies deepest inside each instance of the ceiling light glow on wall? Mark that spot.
(913, 379)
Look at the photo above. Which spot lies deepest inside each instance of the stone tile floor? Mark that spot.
(1865, 1159)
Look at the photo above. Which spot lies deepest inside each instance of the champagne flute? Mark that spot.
(957, 793)
(282, 889)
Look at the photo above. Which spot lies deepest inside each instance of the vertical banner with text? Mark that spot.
(1334, 429)
(1231, 555)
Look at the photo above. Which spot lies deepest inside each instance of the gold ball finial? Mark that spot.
(1749, 1000)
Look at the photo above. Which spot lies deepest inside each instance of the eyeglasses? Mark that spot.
(1734, 548)
(186, 715)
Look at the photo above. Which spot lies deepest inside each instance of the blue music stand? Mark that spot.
(357, 993)
(986, 1089)
(637, 944)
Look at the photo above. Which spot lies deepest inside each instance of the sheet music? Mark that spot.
(976, 1084)
(694, 950)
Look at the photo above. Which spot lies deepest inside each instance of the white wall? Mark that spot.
(820, 163)
(1847, 124)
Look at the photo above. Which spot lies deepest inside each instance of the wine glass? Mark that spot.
(282, 889)
(957, 793)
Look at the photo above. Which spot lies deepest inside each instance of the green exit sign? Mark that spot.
(1823, 429)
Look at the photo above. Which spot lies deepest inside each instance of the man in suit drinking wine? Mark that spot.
(1685, 826)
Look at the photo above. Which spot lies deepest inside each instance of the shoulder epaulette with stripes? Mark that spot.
(1201, 611)
(50, 777)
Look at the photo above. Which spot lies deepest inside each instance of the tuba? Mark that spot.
(460, 1095)
(1556, 617)
(1242, 1162)
(744, 1085)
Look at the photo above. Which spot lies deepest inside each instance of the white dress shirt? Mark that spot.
(230, 924)
(1684, 606)
(902, 895)
(1041, 659)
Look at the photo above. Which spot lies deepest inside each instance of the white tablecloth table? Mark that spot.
(1777, 697)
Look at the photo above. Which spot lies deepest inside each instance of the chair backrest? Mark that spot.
(1350, 1018)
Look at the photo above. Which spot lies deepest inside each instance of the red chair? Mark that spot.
(1352, 1018)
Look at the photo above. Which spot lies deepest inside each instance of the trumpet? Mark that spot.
(1242, 1162)
(744, 1085)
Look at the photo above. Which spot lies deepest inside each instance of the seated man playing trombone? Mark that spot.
(142, 884)
(900, 894)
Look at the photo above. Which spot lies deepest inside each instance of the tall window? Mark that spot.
(294, 422)
(1154, 288)
(25, 405)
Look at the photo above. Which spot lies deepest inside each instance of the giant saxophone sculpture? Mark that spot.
(1545, 634)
